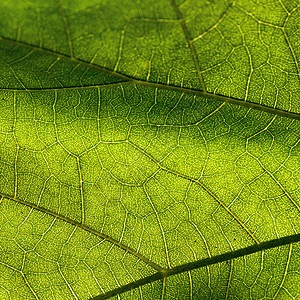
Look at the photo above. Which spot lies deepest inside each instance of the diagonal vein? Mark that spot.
(287, 240)
(128, 79)
(86, 228)
(66, 25)
(190, 43)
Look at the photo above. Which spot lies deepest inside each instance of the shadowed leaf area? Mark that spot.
(149, 149)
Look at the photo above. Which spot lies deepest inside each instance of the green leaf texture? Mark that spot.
(149, 149)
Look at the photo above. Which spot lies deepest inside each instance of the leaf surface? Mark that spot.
(149, 150)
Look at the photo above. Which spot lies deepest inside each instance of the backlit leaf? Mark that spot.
(149, 149)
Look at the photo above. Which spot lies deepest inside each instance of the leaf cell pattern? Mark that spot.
(147, 152)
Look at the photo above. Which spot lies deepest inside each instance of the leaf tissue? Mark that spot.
(149, 149)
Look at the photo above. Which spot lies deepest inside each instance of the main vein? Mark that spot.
(201, 263)
(128, 79)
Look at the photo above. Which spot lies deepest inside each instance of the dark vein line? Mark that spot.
(190, 43)
(86, 228)
(83, 87)
(292, 51)
(66, 26)
(287, 240)
(66, 57)
(235, 101)
(247, 104)
(252, 105)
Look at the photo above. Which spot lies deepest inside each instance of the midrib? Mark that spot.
(128, 80)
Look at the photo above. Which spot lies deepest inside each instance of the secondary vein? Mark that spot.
(190, 43)
(86, 228)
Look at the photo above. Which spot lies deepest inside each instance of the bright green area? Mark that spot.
(104, 180)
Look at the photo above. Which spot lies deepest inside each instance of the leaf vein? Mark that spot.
(128, 79)
(84, 227)
(190, 43)
(287, 240)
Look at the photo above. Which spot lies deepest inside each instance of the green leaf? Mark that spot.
(149, 149)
